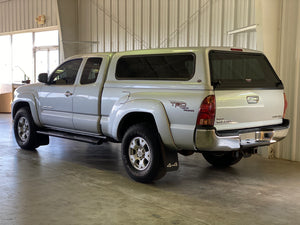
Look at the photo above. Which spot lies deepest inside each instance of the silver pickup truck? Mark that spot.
(221, 102)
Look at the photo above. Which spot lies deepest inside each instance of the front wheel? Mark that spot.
(222, 159)
(141, 153)
(24, 129)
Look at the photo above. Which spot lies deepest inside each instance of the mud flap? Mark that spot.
(170, 160)
(42, 139)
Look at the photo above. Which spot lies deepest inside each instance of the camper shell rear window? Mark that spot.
(235, 70)
(179, 66)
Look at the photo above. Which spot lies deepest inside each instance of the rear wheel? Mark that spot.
(222, 159)
(25, 130)
(141, 153)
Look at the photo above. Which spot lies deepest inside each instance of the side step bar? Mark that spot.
(77, 137)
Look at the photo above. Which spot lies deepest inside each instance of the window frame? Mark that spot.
(158, 79)
(86, 61)
(51, 77)
(218, 84)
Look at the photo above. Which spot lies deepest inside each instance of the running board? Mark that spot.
(77, 137)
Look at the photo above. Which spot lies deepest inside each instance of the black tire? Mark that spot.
(222, 159)
(141, 153)
(25, 130)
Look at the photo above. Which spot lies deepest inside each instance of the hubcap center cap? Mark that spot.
(140, 153)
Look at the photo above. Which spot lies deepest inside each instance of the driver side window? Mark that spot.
(66, 73)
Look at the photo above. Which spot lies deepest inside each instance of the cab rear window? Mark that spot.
(234, 70)
(156, 67)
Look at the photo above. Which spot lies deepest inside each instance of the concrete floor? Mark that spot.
(69, 182)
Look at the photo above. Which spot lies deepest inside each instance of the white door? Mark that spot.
(56, 97)
(86, 110)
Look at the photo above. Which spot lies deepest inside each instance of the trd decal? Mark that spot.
(181, 105)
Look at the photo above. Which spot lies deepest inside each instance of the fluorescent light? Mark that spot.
(242, 29)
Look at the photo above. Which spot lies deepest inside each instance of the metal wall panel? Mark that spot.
(173, 21)
(216, 23)
(241, 20)
(290, 74)
(204, 23)
(193, 23)
(118, 25)
(19, 15)
(228, 22)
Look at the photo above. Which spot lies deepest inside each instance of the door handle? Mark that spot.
(68, 94)
(252, 99)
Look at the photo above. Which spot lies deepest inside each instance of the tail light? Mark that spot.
(285, 105)
(206, 115)
(236, 49)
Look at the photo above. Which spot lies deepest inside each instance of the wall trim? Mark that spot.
(30, 30)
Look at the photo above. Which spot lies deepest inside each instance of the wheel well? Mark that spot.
(18, 106)
(134, 118)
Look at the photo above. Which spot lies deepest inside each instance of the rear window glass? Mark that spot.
(156, 67)
(242, 70)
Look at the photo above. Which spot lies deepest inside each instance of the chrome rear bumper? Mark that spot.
(211, 140)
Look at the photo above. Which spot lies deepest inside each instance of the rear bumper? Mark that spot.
(208, 139)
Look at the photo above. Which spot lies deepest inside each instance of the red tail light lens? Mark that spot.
(206, 115)
(236, 49)
(285, 105)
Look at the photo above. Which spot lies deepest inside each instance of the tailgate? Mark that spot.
(239, 109)
(248, 92)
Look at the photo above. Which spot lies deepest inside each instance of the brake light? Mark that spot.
(206, 115)
(285, 105)
(236, 49)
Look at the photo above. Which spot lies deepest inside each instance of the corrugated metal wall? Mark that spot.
(18, 15)
(118, 25)
(290, 74)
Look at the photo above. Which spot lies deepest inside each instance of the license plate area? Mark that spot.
(256, 138)
(247, 139)
(264, 135)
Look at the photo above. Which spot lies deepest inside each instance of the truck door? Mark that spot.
(86, 104)
(56, 97)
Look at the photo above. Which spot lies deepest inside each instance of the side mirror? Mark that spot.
(43, 78)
